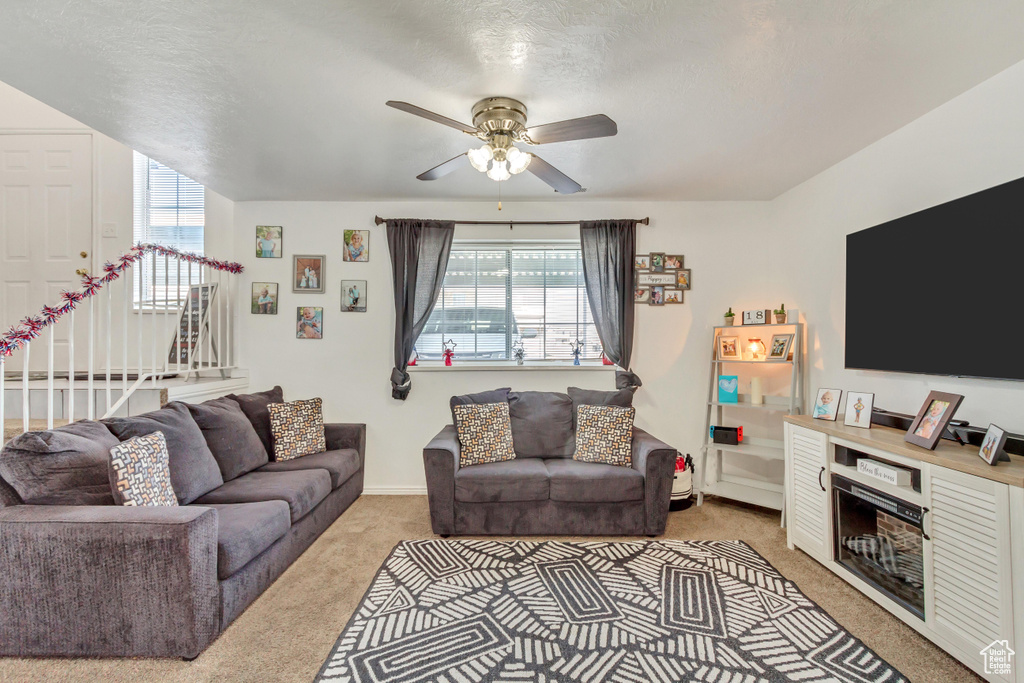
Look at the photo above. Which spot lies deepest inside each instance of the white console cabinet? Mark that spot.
(973, 572)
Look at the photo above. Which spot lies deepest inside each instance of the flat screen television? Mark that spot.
(941, 291)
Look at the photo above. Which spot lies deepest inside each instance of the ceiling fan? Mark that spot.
(500, 122)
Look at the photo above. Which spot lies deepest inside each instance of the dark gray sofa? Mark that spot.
(544, 491)
(104, 580)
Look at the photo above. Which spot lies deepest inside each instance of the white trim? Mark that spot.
(394, 490)
(502, 366)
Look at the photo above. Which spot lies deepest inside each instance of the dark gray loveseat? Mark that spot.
(82, 576)
(544, 491)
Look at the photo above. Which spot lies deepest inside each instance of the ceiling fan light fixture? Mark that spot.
(518, 160)
(480, 157)
(499, 171)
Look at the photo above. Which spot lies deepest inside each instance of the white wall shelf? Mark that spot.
(769, 446)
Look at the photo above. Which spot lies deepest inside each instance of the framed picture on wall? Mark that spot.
(309, 322)
(269, 241)
(308, 273)
(353, 296)
(657, 296)
(264, 298)
(657, 263)
(673, 296)
(673, 262)
(642, 261)
(642, 295)
(357, 246)
(683, 278)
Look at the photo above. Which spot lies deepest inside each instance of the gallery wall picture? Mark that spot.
(683, 278)
(357, 245)
(309, 322)
(642, 261)
(642, 295)
(673, 296)
(193, 325)
(264, 298)
(353, 296)
(269, 241)
(673, 262)
(308, 273)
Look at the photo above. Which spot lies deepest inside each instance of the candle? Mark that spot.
(756, 391)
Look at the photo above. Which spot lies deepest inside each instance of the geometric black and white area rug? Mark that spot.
(452, 611)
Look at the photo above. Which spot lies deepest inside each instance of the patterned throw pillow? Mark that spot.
(604, 434)
(298, 428)
(139, 472)
(485, 433)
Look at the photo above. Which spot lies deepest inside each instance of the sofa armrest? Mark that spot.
(340, 435)
(656, 460)
(108, 581)
(441, 462)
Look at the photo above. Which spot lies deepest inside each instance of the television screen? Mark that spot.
(941, 291)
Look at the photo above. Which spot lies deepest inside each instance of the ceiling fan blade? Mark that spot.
(420, 111)
(444, 169)
(552, 176)
(596, 126)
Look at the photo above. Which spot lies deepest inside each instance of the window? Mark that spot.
(169, 210)
(496, 295)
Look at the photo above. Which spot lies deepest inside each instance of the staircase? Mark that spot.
(158, 326)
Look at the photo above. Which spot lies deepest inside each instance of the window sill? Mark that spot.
(502, 366)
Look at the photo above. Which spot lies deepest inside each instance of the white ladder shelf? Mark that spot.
(754, 491)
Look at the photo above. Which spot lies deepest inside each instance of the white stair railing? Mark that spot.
(181, 329)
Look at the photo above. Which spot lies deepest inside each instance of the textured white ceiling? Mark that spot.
(715, 99)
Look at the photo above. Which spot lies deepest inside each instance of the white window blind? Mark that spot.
(169, 210)
(493, 296)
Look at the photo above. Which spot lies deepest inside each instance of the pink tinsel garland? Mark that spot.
(30, 328)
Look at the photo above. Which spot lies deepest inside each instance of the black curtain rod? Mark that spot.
(645, 221)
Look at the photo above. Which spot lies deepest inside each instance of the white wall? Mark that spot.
(971, 143)
(350, 368)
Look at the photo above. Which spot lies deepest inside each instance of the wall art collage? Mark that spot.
(660, 279)
(308, 276)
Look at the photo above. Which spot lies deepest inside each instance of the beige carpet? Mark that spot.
(288, 632)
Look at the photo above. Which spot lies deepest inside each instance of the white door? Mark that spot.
(46, 230)
(970, 592)
(807, 491)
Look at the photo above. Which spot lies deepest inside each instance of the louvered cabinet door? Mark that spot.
(970, 590)
(807, 492)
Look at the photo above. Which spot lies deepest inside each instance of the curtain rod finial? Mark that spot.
(378, 220)
(646, 220)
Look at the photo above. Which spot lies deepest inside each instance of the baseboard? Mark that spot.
(394, 490)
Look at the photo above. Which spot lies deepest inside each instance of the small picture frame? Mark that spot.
(657, 262)
(778, 349)
(932, 420)
(728, 389)
(858, 409)
(642, 262)
(657, 296)
(353, 296)
(308, 273)
(826, 404)
(357, 246)
(269, 241)
(673, 296)
(309, 322)
(729, 348)
(683, 278)
(264, 298)
(673, 262)
(642, 295)
(992, 445)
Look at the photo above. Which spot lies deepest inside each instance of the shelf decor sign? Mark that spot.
(896, 476)
(728, 389)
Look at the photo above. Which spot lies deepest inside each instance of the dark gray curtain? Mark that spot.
(609, 251)
(419, 256)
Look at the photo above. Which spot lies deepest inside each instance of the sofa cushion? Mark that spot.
(541, 424)
(139, 472)
(502, 482)
(587, 482)
(234, 443)
(244, 530)
(255, 408)
(592, 397)
(298, 428)
(605, 435)
(8, 496)
(494, 396)
(63, 466)
(341, 464)
(302, 490)
(193, 469)
(485, 434)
